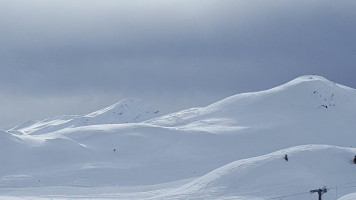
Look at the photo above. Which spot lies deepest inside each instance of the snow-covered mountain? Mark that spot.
(126, 111)
(232, 149)
(295, 100)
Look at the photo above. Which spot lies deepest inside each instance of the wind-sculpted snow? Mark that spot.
(125, 111)
(129, 145)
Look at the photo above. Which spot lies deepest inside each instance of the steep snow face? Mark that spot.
(125, 111)
(270, 176)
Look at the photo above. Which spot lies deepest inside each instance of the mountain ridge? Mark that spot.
(125, 111)
(308, 114)
(306, 93)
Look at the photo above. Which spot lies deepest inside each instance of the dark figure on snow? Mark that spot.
(355, 159)
(286, 157)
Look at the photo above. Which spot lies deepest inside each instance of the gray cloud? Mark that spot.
(188, 52)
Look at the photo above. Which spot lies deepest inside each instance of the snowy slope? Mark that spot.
(102, 150)
(351, 196)
(125, 111)
(306, 95)
(270, 176)
(264, 177)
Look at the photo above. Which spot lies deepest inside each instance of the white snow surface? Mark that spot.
(232, 149)
(126, 111)
(351, 196)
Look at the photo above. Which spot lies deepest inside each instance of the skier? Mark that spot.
(355, 159)
(286, 157)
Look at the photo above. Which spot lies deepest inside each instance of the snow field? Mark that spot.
(232, 149)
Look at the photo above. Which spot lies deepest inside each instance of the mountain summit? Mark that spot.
(303, 97)
(125, 111)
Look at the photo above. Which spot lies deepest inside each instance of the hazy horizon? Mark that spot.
(74, 57)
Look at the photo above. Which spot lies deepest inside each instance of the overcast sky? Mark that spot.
(76, 56)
